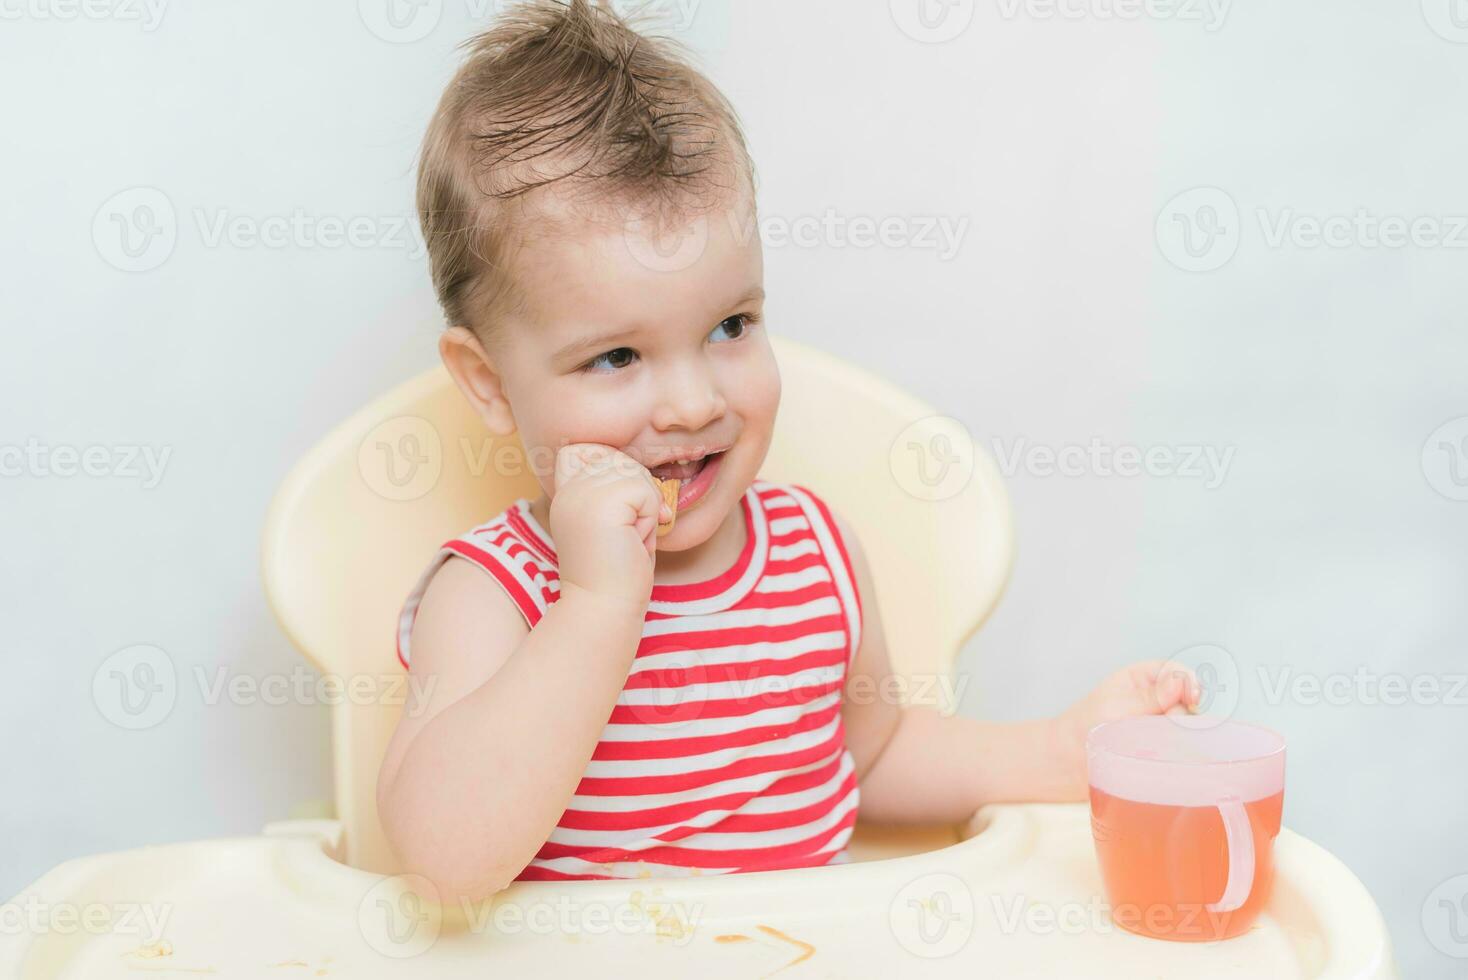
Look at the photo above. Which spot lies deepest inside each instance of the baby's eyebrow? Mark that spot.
(587, 346)
(753, 295)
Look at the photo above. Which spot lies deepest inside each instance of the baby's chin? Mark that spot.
(697, 526)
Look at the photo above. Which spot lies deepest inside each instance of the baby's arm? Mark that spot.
(917, 765)
(475, 780)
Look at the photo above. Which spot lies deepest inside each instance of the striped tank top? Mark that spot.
(725, 750)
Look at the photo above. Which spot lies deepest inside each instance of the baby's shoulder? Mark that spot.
(511, 536)
(510, 552)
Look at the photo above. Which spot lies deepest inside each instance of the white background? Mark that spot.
(1331, 547)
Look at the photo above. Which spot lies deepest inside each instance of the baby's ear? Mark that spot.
(477, 377)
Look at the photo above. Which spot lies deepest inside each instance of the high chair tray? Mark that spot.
(1018, 897)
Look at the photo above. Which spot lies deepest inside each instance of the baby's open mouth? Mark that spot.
(684, 471)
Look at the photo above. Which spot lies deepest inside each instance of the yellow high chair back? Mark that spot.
(357, 519)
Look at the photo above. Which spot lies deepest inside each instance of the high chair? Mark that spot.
(1013, 892)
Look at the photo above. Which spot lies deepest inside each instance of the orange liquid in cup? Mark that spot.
(1164, 865)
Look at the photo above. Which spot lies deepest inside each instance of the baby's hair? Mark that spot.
(565, 94)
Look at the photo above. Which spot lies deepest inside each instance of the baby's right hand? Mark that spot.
(603, 518)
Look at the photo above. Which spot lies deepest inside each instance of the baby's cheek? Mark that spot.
(759, 390)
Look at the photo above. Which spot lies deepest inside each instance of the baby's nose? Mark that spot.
(688, 400)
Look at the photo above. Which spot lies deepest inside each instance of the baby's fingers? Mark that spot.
(575, 458)
(1176, 690)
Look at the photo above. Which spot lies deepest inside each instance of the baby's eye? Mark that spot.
(616, 359)
(736, 324)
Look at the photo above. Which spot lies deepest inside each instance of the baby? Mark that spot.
(609, 701)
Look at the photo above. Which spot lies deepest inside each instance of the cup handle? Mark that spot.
(1239, 835)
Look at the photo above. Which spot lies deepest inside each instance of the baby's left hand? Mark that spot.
(1153, 687)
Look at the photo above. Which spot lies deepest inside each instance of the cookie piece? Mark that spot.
(670, 497)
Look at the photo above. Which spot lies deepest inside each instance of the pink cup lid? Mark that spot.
(1185, 760)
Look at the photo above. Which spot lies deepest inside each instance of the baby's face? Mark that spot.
(653, 344)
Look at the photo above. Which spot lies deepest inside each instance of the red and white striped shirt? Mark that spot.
(725, 751)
